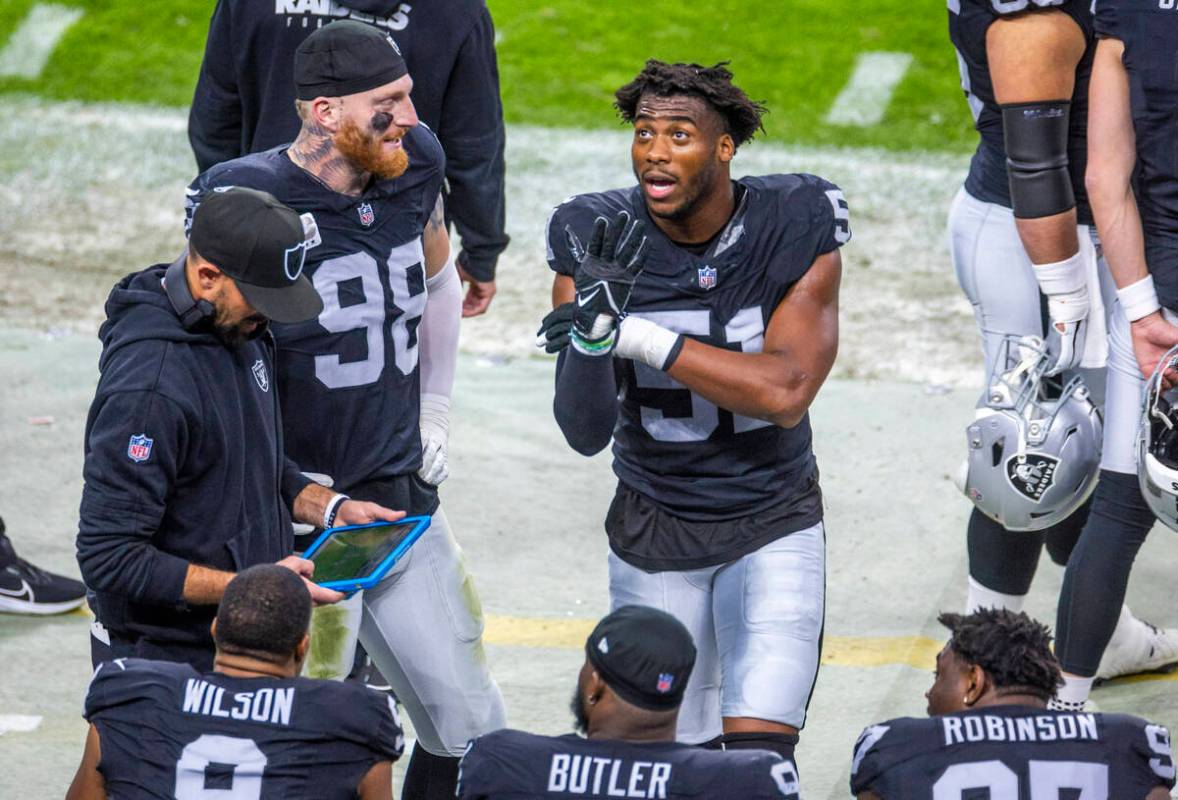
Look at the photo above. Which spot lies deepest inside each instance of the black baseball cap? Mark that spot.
(260, 243)
(644, 655)
(344, 58)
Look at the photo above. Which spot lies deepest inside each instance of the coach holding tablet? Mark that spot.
(186, 481)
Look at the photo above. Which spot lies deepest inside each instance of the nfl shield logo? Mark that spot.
(139, 448)
(260, 376)
(665, 681)
(367, 215)
(707, 277)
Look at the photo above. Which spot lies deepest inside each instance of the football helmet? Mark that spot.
(1034, 444)
(1157, 444)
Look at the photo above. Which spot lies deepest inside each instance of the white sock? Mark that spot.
(1127, 630)
(1073, 694)
(981, 597)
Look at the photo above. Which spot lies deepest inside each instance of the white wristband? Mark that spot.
(645, 341)
(1062, 277)
(1139, 299)
(332, 508)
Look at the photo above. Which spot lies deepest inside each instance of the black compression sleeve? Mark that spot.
(1098, 572)
(1036, 136)
(586, 402)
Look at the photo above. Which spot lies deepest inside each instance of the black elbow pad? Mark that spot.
(1037, 157)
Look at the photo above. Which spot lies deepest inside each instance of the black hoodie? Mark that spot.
(183, 464)
(244, 99)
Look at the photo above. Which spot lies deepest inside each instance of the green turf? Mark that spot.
(560, 60)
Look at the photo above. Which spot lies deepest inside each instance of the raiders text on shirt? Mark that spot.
(1043, 728)
(264, 705)
(329, 8)
(612, 777)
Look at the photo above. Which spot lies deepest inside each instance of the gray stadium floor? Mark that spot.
(528, 511)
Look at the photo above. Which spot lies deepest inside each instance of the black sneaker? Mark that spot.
(26, 589)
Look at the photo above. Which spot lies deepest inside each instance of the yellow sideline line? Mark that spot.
(919, 652)
(845, 651)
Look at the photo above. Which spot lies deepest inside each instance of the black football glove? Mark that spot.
(604, 279)
(553, 335)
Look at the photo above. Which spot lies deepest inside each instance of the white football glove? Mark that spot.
(1066, 285)
(435, 435)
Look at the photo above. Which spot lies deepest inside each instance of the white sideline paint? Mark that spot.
(18, 723)
(34, 40)
(865, 98)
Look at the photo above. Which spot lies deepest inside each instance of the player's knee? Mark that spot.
(781, 743)
(1118, 501)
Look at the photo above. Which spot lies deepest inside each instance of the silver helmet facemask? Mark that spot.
(1034, 444)
(1157, 444)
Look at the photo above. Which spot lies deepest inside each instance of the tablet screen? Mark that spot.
(349, 554)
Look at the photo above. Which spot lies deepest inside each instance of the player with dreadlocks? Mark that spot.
(696, 318)
(990, 734)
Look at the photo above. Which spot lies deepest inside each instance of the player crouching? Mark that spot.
(991, 734)
(637, 662)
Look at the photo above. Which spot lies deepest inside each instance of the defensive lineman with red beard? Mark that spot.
(367, 384)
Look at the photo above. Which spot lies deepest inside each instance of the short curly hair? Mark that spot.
(713, 85)
(264, 614)
(1013, 649)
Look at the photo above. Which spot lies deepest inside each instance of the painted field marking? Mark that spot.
(845, 651)
(18, 723)
(35, 39)
(865, 98)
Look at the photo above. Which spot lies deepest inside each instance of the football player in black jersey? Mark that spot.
(701, 367)
(367, 384)
(1133, 184)
(1021, 230)
(251, 728)
(637, 662)
(989, 732)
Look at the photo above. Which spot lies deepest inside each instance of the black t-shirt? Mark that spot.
(167, 731)
(1149, 31)
(968, 22)
(680, 452)
(1013, 753)
(512, 765)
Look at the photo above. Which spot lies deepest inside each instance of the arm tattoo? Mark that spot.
(437, 217)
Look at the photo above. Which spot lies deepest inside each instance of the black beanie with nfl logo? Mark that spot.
(644, 655)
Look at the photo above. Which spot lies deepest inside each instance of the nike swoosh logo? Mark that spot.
(24, 593)
(583, 301)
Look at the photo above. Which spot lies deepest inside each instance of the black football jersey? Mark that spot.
(1013, 753)
(968, 22)
(512, 765)
(167, 731)
(348, 380)
(699, 461)
(1149, 30)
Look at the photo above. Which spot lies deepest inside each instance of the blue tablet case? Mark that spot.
(350, 585)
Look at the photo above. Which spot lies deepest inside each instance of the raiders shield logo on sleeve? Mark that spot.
(1033, 476)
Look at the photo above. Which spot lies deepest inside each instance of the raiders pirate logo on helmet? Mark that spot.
(1032, 476)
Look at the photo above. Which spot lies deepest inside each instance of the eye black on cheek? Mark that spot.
(381, 121)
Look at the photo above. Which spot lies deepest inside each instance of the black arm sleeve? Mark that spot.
(214, 121)
(472, 134)
(293, 482)
(586, 403)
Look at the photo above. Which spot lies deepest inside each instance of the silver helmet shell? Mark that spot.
(1034, 445)
(1157, 444)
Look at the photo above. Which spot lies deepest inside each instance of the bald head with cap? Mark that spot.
(352, 88)
(637, 664)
